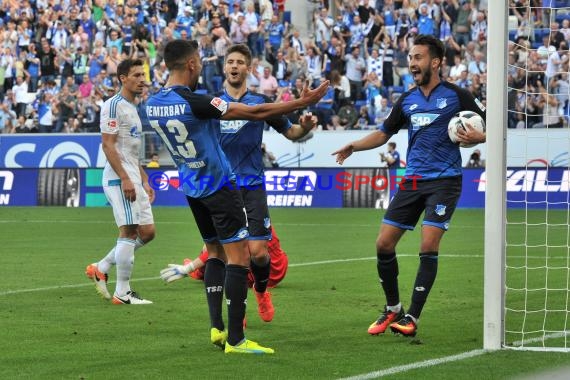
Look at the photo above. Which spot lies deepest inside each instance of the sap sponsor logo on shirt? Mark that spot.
(231, 126)
(420, 120)
(532, 180)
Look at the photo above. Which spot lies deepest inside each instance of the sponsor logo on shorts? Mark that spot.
(112, 124)
(242, 234)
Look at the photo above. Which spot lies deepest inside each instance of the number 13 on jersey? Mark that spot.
(183, 147)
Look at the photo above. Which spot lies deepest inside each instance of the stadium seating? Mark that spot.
(540, 33)
(560, 16)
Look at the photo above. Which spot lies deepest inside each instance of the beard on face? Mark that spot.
(425, 78)
(235, 82)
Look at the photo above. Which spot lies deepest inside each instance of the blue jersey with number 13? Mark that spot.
(183, 120)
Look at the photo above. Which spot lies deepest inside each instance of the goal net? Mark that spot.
(535, 293)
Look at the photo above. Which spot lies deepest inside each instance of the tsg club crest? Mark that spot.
(440, 210)
(441, 103)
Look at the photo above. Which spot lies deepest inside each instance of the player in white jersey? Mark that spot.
(125, 184)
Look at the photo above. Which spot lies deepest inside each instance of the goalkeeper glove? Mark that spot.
(176, 272)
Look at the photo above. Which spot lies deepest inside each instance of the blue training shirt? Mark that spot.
(241, 140)
(183, 120)
(431, 154)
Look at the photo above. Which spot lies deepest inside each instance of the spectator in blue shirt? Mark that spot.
(185, 21)
(425, 22)
(275, 31)
(32, 66)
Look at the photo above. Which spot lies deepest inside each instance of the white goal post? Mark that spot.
(495, 199)
(527, 233)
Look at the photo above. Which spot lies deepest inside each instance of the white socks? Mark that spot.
(109, 260)
(124, 258)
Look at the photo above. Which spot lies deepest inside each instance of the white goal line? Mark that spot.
(453, 358)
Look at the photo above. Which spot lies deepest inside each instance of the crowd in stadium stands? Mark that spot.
(538, 65)
(58, 58)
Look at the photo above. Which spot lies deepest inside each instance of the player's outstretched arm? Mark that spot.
(371, 141)
(240, 111)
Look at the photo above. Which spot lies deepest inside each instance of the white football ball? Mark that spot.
(459, 120)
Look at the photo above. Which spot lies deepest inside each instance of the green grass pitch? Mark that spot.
(54, 326)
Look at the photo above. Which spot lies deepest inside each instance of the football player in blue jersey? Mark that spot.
(241, 141)
(183, 119)
(434, 161)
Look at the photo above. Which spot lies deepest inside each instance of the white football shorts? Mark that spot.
(129, 213)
